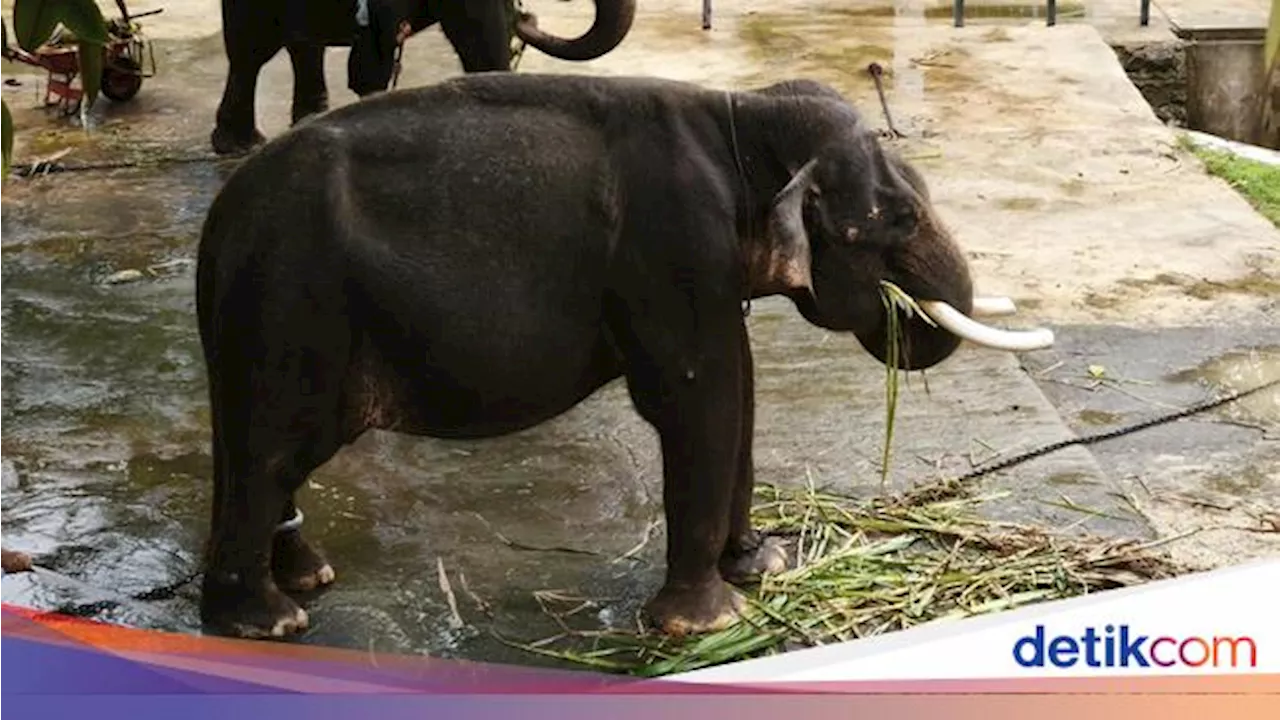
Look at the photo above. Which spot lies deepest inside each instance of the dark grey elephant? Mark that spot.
(477, 257)
(254, 31)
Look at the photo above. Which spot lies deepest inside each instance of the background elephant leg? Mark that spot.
(480, 38)
(310, 95)
(236, 129)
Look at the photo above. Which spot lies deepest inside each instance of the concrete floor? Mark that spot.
(1065, 190)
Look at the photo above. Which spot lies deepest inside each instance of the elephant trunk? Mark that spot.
(612, 23)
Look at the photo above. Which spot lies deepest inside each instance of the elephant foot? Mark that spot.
(226, 142)
(309, 110)
(14, 561)
(253, 611)
(296, 565)
(710, 607)
(754, 556)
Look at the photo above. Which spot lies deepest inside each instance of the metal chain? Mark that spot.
(1114, 433)
(877, 74)
(515, 9)
(169, 591)
(42, 167)
(98, 607)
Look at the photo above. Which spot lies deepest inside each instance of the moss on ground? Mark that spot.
(1259, 183)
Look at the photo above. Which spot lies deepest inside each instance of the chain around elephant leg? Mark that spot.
(515, 9)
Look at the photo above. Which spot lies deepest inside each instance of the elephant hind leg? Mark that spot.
(236, 128)
(296, 565)
(310, 94)
(254, 553)
(278, 415)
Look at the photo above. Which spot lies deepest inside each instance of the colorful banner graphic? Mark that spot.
(60, 667)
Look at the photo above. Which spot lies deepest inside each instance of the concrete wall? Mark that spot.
(1225, 80)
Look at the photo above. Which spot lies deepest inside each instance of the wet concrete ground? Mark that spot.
(1066, 191)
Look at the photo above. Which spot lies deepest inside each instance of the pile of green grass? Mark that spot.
(868, 567)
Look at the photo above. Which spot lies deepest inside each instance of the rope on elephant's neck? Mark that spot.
(744, 186)
(1114, 433)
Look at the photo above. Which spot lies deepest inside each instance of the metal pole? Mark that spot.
(1053, 13)
(957, 12)
(706, 14)
(1145, 14)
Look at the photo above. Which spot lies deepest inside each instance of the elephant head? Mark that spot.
(854, 214)
(612, 23)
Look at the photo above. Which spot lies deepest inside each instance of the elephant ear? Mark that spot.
(789, 254)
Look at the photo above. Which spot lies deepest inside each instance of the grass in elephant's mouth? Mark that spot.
(896, 303)
(868, 567)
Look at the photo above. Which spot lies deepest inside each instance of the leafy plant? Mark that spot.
(34, 23)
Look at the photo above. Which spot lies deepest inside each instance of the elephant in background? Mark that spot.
(254, 31)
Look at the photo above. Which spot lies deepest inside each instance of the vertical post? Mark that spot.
(957, 12)
(1268, 127)
(1052, 13)
(706, 14)
(1144, 15)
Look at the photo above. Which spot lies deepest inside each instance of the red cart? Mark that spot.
(123, 67)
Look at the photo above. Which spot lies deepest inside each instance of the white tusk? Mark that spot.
(994, 306)
(955, 321)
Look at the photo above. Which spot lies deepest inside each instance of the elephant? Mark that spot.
(473, 258)
(253, 31)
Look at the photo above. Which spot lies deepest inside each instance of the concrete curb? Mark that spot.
(1249, 152)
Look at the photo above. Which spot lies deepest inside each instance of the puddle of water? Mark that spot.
(1241, 370)
(1070, 478)
(1244, 483)
(1099, 417)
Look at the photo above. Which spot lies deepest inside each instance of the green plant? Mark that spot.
(34, 22)
(1259, 183)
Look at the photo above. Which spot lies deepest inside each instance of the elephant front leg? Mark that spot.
(310, 94)
(748, 554)
(698, 416)
(479, 37)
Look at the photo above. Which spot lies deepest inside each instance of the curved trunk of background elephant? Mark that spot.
(612, 23)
